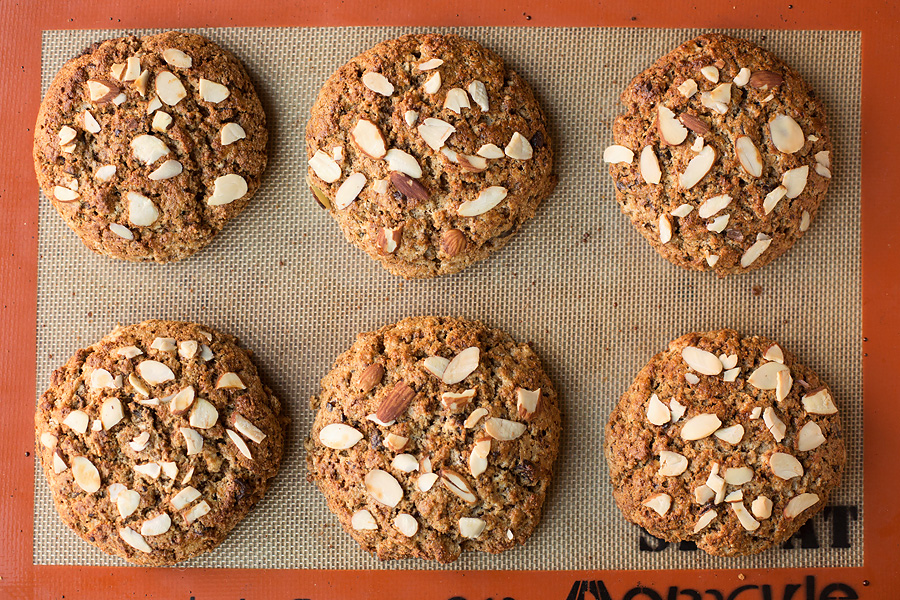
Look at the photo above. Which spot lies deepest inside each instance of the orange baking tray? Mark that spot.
(21, 25)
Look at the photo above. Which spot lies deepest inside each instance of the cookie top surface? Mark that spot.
(736, 461)
(157, 440)
(147, 146)
(429, 152)
(450, 467)
(722, 155)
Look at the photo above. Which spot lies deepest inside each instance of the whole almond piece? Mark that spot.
(396, 402)
(370, 377)
(389, 239)
(765, 79)
(409, 187)
(453, 242)
(695, 124)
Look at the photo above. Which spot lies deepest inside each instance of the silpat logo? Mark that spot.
(596, 590)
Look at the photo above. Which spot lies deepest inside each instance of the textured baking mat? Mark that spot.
(578, 283)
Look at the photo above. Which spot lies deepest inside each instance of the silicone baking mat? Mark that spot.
(578, 282)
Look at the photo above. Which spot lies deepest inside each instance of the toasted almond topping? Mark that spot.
(230, 133)
(462, 365)
(748, 155)
(192, 439)
(527, 402)
(230, 381)
(374, 418)
(77, 421)
(701, 361)
(731, 374)
(378, 83)
(184, 497)
(738, 476)
(755, 251)
(713, 205)
(176, 58)
(432, 63)
(240, 443)
(746, 519)
(227, 189)
(86, 474)
(519, 147)
(59, 465)
(697, 168)
(773, 198)
(111, 413)
(657, 412)
(396, 442)
(471, 527)
(486, 200)
(491, 151)
(474, 417)
(406, 463)
(672, 464)
(665, 229)
(671, 130)
(382, 486)
(775, 425)
(700, 426)
(478, 457)
(785, 466)
(742, 78)
(711, 73)
(213, 92)
(370, 377)
(67, 134)
(800, 503)
(794, 181)
(204, 415)
(456, 484)
(339, 436)
(704, 520)
(454, 242)
(682, 210)
(765, 80)
(787, 136)
(406, 524)
(819, 402)
(691, 378)
(158, 525)
(783, 383)
(703, 494)
(764, 378)
(426, 481)
(148, 149)
(248, 429)
(169, 88)
(435, 131)
(432, 84)
(716, 483)
(660, 503)
(138, 385)
(616, 154)
(436, 365)
(199, 509)
(733, 435)
(64, 194)
(810, 437)
(127, 501)
(395, 403)
(503, 429)
(688, 88)
(368, 139)
(48, 440)
(719, 223)
(456, 401)
(755, 413)
(456, 100)
(405, 163)
(155, 372)
(102, 91)
(362, 520)
(140, 84)
(649, 166)
(141, 210)
(324, 167)
(134, 539)
(151, 470)
(677, 409)
(167, 170)
(479, 94)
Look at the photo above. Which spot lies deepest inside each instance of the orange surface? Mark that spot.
(21, 25)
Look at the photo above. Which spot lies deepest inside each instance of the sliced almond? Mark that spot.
(192, 439)
(132, 69)
(783, 383)
(388, 239)
(436, 365)
(396, 442)
(167, 170)
(102, 91)
(704, 520)
(665, 229)
(188, 349)
(672, 464)
(527, 402)
(701, 361)
(382, 486)
(677, 409)
(127, 501)
(703, 494)
(395, 403)
(378, 83)
(486, 200)
(716, 483)
(697, 168)
(748, 155)
(519, 147)
(362, 520)
(77, 421)
(48, 440)
(713, 205)
(462, 365)
(659, 503)
(169, 88)
(819, 402)
(479, 94)
(649, 166)
(213, 92)
(406, 463)
(471, 527)
(432, 84)
(773, 198)
(370, 377)
(746, 519)
(765, 377)
(324, 167)
(810, 437)
(738, 475)
(432, 63)
(155, 372)
(199, 509)
(426, 481)
(67, 134)
(241, 445)
(338, 436)
(230, 133)
(401, 161)
(176, 58)
(755, 251)
(59, 465)
(491, 151)
(86, 474)
(184, 497)
(151, 470)
(785, 466)
(478, 457)
(139, 386)
(671, 130)
(616, 154)
(718, 224)
(787, 136)
(101, 378)
(148, 149)
(475, 416)
(700, 426)
(368, 139)
(227, 189)
(204, 415)
(742, 78)
(456, 100)
(455, 401)
(504, 429)
(710, 72)
(104, 173)
(691, 378)
(141, 210)
(406, 524)
(732, 435)
(761, 507)
(158, 525)
(134, 539)
(435, 132)
(456, 484)
(64, 194)
(111, 413)
(775, 425)
(140, 84)
(657, 412)
(794, 181)
(800, 503)
(688, 88)
(411, 117)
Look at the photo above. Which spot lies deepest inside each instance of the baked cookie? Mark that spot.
(722, 155)
(435, 436)
(147, 146)
(429, 153)
(158, 439)
(726, 441)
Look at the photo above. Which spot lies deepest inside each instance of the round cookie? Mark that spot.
(158, 439)
(435, 436)
(726, 441)
(429, 153)
(148, 146)
(722, 155)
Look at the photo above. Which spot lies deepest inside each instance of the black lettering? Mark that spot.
(741, 590)
(651, 544)
(674, 592)
(848, 592)
(643, 591)
(766, 591)
(715, 594)
(575, 593)
(580, 590)
(810, 587)
(806, 536)
(457, 598)
(791, 589)
(840, 524)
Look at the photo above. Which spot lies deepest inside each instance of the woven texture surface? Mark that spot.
(578, 283)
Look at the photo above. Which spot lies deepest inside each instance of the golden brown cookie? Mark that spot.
(724, 440)
(435, 436)
(148, 146)
(722, 155)
(158, 439)
(429, 152)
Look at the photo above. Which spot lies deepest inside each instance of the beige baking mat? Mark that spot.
(578, 282)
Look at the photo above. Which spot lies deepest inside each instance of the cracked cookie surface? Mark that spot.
(429, 152)
(726, 441)
(148, 146)
(157, 440)
(722, 155)
(435, 436)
